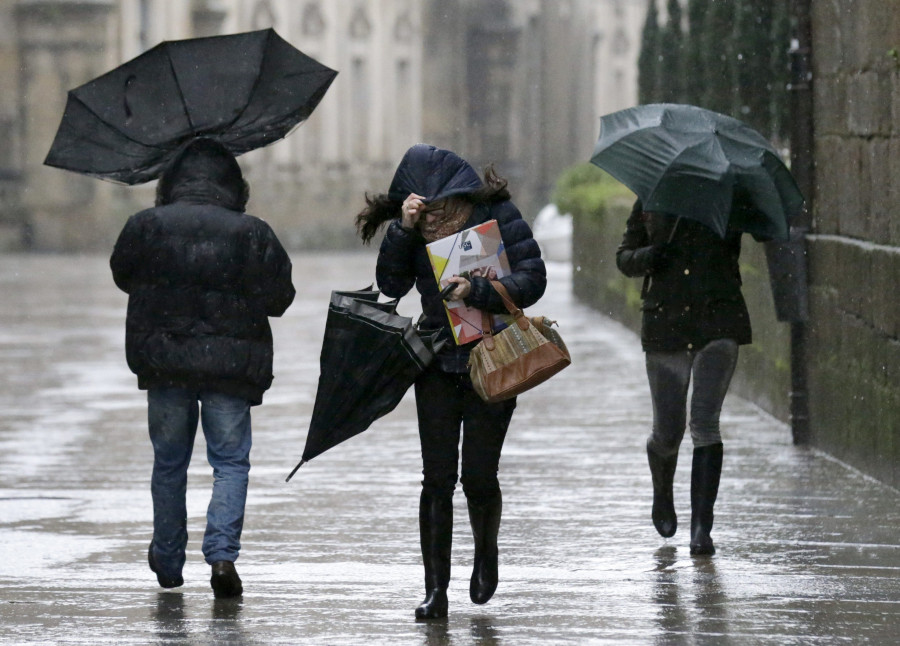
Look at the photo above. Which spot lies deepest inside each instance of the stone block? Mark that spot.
(876, 163)
(830, 104)
(869, 107)
(828, 37)
(893, 189)
(851, 199)
(830, 190)
(885, 279)
(877, 32)
(895, 91)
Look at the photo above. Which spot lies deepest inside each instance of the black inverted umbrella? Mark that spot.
(245, 90)
(370, 357)
(701, 165)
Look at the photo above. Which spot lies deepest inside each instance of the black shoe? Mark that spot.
(225, 581)
(485, 521)
(662, 470)
(435, 535)
(706, 472)
(164, 581)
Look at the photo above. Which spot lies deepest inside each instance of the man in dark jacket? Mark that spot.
(694, 319)
(202, 278)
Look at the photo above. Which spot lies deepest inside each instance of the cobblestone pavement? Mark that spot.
(809, 551)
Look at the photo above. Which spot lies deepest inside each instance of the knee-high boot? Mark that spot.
(485, 520)
(436, 535)
(662, 470)
(706, 471)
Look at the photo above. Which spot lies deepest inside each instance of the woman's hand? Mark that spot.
(463, 288)
(411, 211)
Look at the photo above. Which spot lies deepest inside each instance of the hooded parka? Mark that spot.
(403, 260)
(202, 278)
(695, 297)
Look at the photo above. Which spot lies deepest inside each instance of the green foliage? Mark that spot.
(719, 43)
(780, 73)
(694, 53)
(753, 62)
(671, 57)
(648, 59)
(732, 58)
(583, 189)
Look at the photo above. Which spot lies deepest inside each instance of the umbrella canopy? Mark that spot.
(701, 165)
(245, 90)
(370, 357)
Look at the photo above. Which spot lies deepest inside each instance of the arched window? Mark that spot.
(312, 23)
(263, 15)
(360, 27)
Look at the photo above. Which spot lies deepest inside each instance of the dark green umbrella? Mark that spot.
(700, 165)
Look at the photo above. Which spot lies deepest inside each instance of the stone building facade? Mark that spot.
(520, 83)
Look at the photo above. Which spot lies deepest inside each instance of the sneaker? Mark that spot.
(225, 581)
(164, 581)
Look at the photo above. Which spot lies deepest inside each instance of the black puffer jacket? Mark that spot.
(403, 259)
(696, 297)
(202, 281)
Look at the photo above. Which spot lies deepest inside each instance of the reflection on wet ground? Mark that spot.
(808, 548)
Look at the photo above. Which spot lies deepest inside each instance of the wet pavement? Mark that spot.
(809, 551)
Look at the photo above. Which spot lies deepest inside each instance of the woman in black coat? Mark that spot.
(435, 194)
(694, 319)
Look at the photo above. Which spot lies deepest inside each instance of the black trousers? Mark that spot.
(446, 403)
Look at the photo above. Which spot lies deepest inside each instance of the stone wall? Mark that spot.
(854, 252)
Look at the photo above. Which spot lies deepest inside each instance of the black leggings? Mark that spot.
(444, 402)
(670, 375)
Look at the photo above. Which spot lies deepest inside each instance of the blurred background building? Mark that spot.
(518, 83)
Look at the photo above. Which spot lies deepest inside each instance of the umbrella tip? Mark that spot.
(291, 474)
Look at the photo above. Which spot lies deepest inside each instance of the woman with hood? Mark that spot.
(434, 194)
(202, 278)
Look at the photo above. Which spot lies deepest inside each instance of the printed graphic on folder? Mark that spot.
(478, 251)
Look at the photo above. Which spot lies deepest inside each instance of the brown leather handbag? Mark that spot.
(519, 357)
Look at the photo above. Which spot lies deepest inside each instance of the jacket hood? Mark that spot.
(433, 173)
(204, 172)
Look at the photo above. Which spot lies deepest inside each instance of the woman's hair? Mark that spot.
(380, 208)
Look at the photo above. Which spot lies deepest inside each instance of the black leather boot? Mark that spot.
(436, 535)
(706, 471)
(662, 470)
(485, 521)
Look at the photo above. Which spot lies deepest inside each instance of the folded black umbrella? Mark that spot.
(244, 90)
(370, 357)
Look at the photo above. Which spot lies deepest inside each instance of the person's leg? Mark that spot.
(172, 421)
(226, 426)
(484, 430)
(438, 405)
(669, 375)
(713, 369)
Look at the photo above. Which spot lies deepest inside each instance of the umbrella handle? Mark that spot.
(674, 226)
(291, 475)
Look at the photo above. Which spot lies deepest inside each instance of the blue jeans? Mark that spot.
(173, 414)
(669, 374)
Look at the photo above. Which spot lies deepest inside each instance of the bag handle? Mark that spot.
(486, 328)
